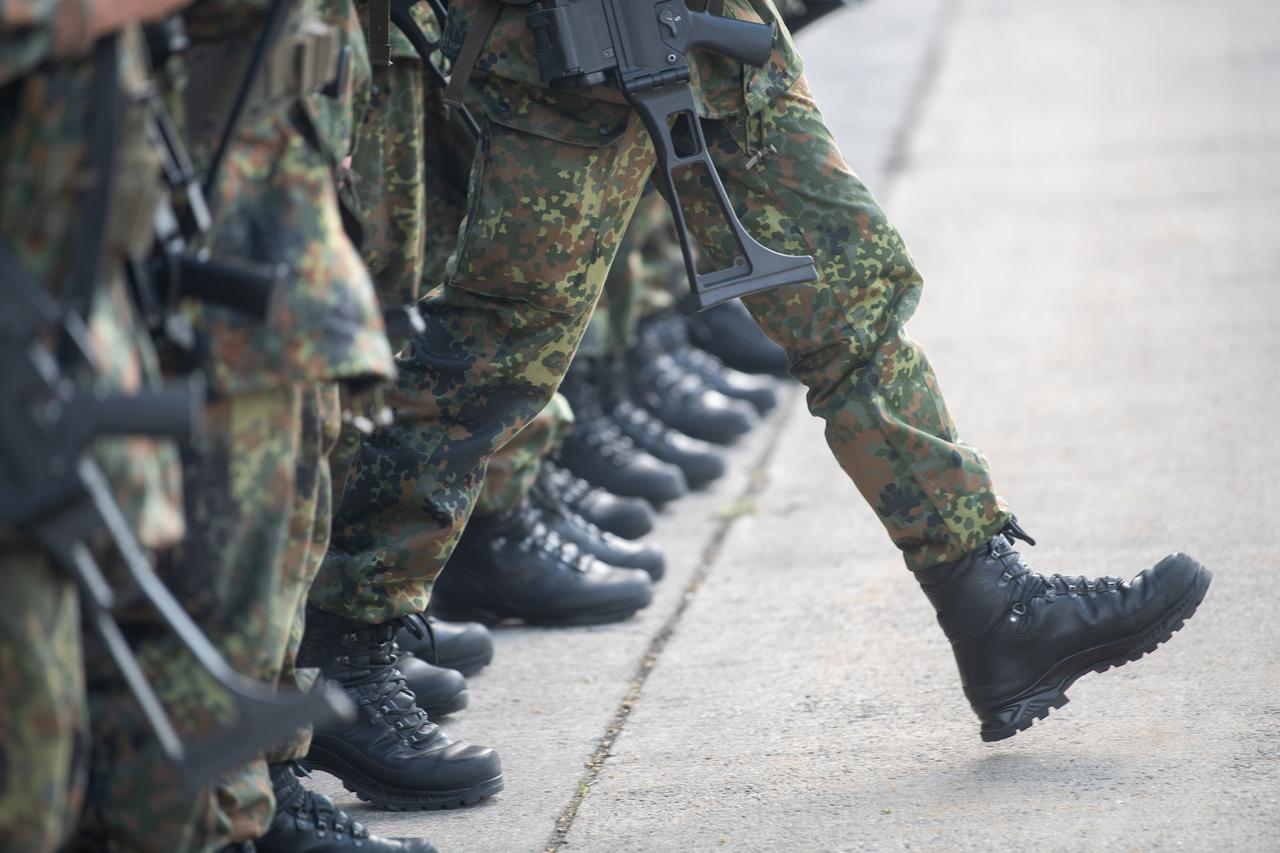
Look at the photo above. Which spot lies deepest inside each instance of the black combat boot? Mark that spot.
(597, 451)
(605, 547)
(629, 518)
(669, 332)
(756, 390)
(440, 691)
(679, 398)
(512, 566)
(391, 755)
(728, 332)
(307, 822)
(465, 647)
(1021, 639)
(698, 460)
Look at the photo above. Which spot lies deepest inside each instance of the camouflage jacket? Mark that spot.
(721, 85)
(44, 173)
(276, 202)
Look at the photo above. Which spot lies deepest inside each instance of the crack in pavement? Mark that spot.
(896, 161)
(899, 156)
(755, 484)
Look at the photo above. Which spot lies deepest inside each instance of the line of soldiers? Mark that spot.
(309, 535)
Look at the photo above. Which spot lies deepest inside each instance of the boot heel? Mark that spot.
(1005, 721)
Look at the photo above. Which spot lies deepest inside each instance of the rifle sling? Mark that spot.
(272, 29)
(104, 138)
(486, 16)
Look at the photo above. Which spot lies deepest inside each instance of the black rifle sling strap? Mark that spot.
(272, 28)
(104, 140)
(402, 17)
(487, 12)
(377, 32)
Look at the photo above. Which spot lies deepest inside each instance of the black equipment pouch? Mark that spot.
(641, 47)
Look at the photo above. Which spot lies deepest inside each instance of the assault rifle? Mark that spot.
(178, 268)
(56, 495)
(641, 47)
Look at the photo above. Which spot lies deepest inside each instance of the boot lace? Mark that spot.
(381, 682)
(306, 807)
(571, 490)
(541, 539)
(549, 504)
(419, 626)
(606, 437)
(1028, 585)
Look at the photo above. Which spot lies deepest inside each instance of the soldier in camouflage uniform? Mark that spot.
(556, 179)
(45, 109)
(391, 754)
(448, 146)
(259, 495)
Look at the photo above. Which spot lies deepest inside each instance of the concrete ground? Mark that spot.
(1093, 191)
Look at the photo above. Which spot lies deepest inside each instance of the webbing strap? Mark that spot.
(486, 15)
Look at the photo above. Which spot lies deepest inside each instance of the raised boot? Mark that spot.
(512, 566)
(307, 822)
(1021, 639)
(629, 518)
(602, 545)
(466, 647)
(391, 755)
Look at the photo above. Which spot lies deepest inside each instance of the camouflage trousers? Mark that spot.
(43, 716)
(514, 469)
(546, 215)
(639, 283)
(257, 520)
(642, 281)
(388, 164)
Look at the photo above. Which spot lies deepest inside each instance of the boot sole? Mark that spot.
(1006, 719)
(489, 618)
(395, 799)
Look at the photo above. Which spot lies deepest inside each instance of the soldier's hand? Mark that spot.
(108, 16)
